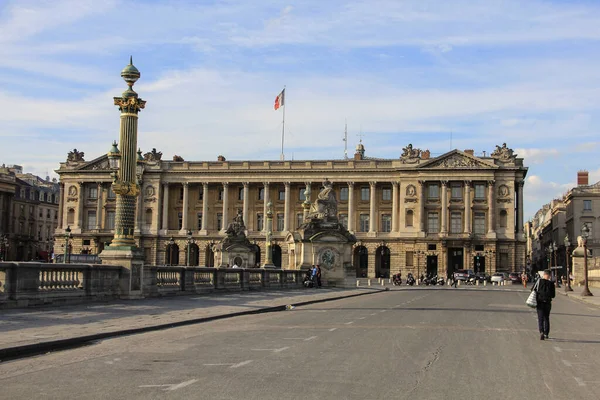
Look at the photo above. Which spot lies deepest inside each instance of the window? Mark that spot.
(410, 256)
(280, 222)
(22, 193)
(479, 191)
(434, 191)
(221, 192)
(111, 193)
(364, 222)
(219, 221)
(503, 219)
(41, 213)
(32, 195)
(386, 222)
(48, 213)
(433, 222)
(456, 222)
(259, 222)
(199, 219)
(386, 194)
(301, 195)
(504, 261)
(148, 217)
(93, 193)
(587, 205)
(479, 223)
(281, 194)
(456, 191)
(343, 220)
(30, 210)
(20, 228)
(299, 219)
(110, 220)
(431, 247)
(364, 193)
(22, 208)
(179, 220)
(344, 194)
(409, 218)
(261, 193)
(91, 220)
(41, 196)
(201, 193)
(241, 194)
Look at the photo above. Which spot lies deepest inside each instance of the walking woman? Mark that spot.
(545, 292)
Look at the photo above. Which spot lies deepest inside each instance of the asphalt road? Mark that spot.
(417, 344)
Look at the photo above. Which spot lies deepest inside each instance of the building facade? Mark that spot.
(28, 215)
(412, 214)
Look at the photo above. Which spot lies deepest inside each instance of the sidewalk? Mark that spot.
(30, 331)
(576, 294)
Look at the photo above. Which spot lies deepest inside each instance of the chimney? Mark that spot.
(582, 178)
(470, 152)
(221, 158)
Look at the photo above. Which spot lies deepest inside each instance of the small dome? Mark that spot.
(139, 157)
(130, 73)
(113, 149)
(360, 147)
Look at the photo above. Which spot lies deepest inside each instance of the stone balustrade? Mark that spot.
(28, 283)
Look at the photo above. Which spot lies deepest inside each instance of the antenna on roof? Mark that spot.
(360, 134)
(345, 139)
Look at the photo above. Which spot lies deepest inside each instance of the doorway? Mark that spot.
(479, 264)
(361, 261)
(382, 262)
(432, 265)
(276, 249)
(455, 260)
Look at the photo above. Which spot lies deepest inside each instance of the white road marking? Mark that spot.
(383, 311)
(332, 329)
(217, 365)
(310, 338)
(348, 323)
(172, 386)
(580, 381)
(362, 317)
(373, 314)
(570, 364)
(273, 350)
(241, 364)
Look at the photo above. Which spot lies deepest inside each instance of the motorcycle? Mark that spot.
(441, 281)
(410, 280)
(397, 280)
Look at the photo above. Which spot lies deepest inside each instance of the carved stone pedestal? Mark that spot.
(132, 261)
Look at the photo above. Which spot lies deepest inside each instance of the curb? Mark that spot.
(579, 299)
(34, 349)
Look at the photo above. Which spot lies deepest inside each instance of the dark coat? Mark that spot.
(545, 291)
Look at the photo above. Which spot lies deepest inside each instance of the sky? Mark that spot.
(439, 74)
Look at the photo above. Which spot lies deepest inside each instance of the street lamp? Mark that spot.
(67, 240)
(171, 245)
(552, 248)
(269, 235)
(190, 242)
(567, 245)
(585, 233)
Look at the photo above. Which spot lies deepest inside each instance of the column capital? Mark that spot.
(165, 184)
(521, 183)
(246, 184)
(287, 184)
(350, 184)
(373, 183)
(395, 184)
(491, 182)
(99, 184)
(225, 184)
(444, 183)
(468, 183)
(266, 184)
(185, 184)
(307, 183)
(421, 182)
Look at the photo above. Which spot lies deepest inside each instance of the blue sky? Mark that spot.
(521, 72)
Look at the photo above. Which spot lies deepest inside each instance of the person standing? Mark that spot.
(524, 279)
(318, 276)
(545, 292)
(313, 276)
(454, 280)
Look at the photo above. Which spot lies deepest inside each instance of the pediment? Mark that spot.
(457, 159)
(98, 164)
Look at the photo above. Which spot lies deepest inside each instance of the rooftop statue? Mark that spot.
(410, 155)
(236, 229)
(153, 155)
(325, 206)
(75, 156)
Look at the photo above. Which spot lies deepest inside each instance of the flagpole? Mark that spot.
(282, 156)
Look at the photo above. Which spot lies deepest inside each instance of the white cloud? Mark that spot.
(537, 156)
(537, 192)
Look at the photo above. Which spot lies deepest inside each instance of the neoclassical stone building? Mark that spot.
(415, 213)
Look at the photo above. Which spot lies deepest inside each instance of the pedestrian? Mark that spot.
(545, 292)
(318, 275)
(313, 276)
(524, 279)
(454, 280)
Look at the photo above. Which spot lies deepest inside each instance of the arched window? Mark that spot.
(409, 218)
(503, 218)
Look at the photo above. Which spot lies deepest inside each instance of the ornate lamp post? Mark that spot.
(67, 243)
(190, 242)
(269, 236)
(567, 245)
(552, 250)
(171, 246)
(585, 233)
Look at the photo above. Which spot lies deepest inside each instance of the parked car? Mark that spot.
(515, 277)
(463, 274)
(482, 277)
(498, 277)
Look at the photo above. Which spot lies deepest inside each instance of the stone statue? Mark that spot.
(75, 156)
(325, 206)
(236, 229)
(410, 155)
(177, 158)
(579, 241)
(504, 153)
(153, 155)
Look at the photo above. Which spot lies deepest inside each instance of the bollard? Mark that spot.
(484, 283)
(390, 280)
(357, 283)
(448, 282)
(368, 282)
(477, 282)
(383, 282)
(458, 283)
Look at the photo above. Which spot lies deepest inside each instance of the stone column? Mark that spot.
(520, 185)
(225, 218)
(165, 210)
(245, 203)
(468, 207)
(156, 212)
(205, 205)
(99, 207)
(395, 206)
(185, 207)
(372, 216)
(444, 210)
(139, 212)
(265, 208)
(351, 217)
(286, 208)
(81, 200)
(62, 203)
(491, 208)
(423, 200)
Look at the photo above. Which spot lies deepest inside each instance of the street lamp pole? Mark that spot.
(190, 242)
(585, 233)
(568, 287)
(171, 245)
(67, 240)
